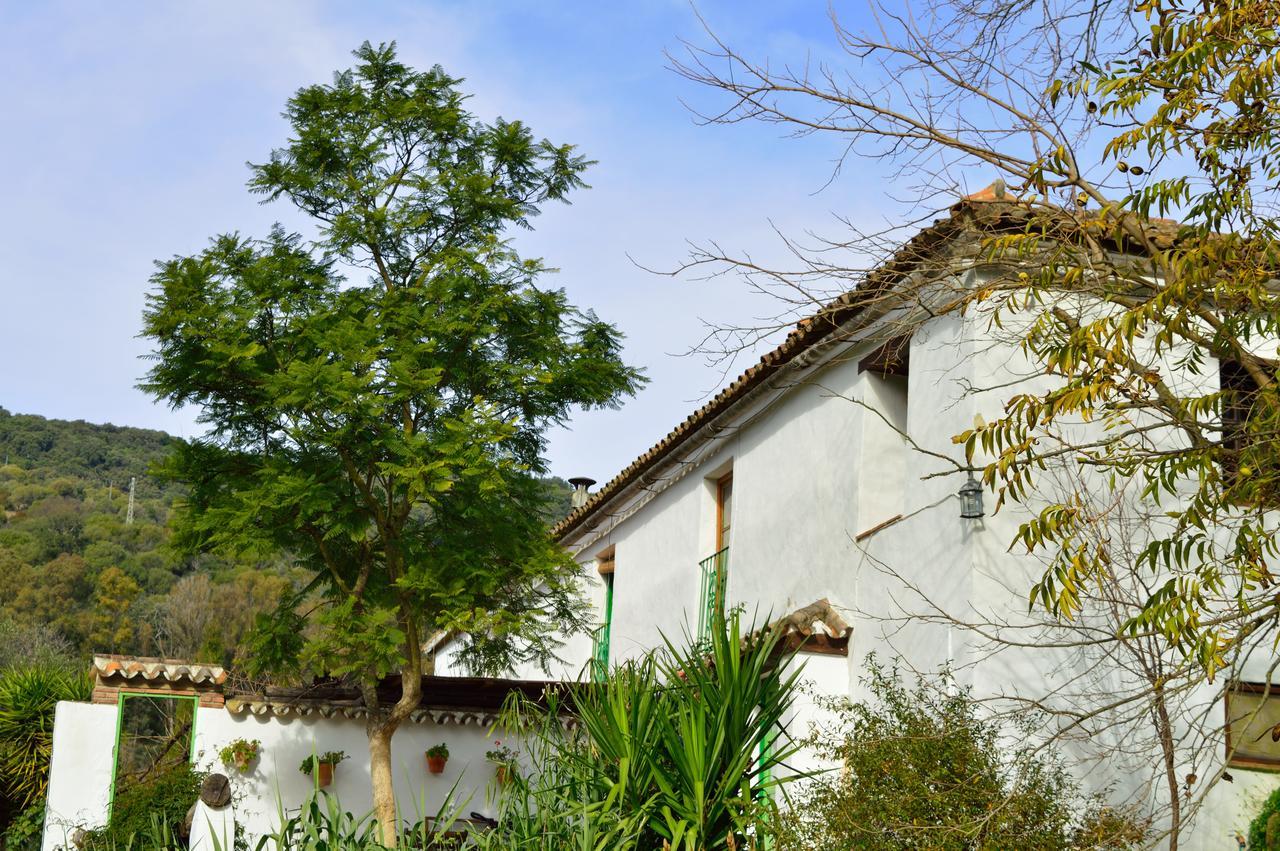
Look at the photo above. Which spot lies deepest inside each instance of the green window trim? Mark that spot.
(115, 747)
(764, 781)
(600, 637)
(715, 581)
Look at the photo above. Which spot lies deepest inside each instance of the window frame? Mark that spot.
(601, 637)
(724, 497)
(1267, 692)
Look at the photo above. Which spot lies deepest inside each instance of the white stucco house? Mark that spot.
(821, 481)
(819, 474)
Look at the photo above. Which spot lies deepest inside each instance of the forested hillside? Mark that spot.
(77, 578)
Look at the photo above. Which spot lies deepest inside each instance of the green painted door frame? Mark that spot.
(115, 746)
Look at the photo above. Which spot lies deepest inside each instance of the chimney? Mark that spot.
(581, 487)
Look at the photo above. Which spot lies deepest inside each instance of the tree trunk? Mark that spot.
(1164, 727)
(380, 771)
(382, 723)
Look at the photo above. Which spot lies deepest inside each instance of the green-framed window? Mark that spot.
(600, 638)
(154, 732)
(715, 568)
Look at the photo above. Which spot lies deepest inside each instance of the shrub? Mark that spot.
(922, 768)
(1258, 827)
(156, 806)
(24, 832)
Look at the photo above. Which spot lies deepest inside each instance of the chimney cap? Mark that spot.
(582, 481)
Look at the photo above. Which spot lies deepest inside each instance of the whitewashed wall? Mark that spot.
(80, 773)
(277, 781)
(84, 736)
(813, 470)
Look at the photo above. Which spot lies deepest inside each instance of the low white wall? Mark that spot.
(84, 736)
(276, 783)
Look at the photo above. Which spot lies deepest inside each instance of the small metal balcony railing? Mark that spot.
(715, 579)
(600, 653)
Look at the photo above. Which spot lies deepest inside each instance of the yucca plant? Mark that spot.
(674, 749)
(28, 698)
(557, 801)
(724, 704)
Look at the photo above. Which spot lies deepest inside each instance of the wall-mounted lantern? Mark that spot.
(971, 499)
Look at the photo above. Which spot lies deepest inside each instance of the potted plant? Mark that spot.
(437, 756)
(322, 766)
(241, 754)
(504, 759)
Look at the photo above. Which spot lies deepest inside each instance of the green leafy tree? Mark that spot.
(921, 768)
(58, 523)
(386, 430)
(55, 593)
(109, 627)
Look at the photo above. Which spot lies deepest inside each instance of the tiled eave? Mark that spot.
(143, 670)
(284, 710)
(444, 700)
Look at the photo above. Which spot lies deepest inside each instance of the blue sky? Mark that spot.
(127, 126)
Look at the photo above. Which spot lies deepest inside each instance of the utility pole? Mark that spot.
(128, 519)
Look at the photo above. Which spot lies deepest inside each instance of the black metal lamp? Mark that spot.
(971, 499)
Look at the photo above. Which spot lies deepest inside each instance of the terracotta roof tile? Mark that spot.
(995, 191)
(445, 700)
(154, 670)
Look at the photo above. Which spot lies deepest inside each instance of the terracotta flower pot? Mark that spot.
(435, 764)
(324, 774)
(244, 766)
(504, 773)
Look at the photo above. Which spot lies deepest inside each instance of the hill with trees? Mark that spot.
(76, 578)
